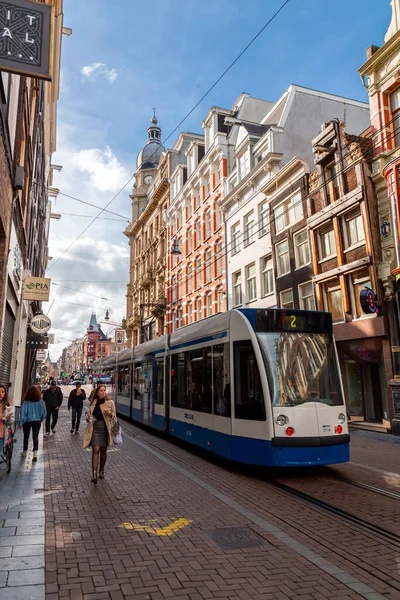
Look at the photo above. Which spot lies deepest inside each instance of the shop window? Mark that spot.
(282, 258)
(334, 302)
(306, 295)
(301, 249)
(267, 276)
(251, 283)
(249, 399)
(287, 299)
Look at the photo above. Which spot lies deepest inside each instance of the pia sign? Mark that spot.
(36, 288)
(26, 38)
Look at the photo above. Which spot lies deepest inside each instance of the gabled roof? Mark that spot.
(93, 326)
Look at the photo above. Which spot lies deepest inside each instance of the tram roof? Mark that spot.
(205, 328)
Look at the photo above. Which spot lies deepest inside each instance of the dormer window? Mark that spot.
(243, 164)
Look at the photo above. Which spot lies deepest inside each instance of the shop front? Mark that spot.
(365, 360)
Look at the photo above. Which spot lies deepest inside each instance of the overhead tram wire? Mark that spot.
(87, 294)
(91, 217)
(177, 127)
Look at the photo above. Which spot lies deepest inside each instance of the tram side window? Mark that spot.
(199, 379)
(159, 396)
(222, 388)
(178, 380)
(137, 377)
(249, 399)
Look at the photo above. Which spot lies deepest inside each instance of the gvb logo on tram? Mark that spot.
(254, 386)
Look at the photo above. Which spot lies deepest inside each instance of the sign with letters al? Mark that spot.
(26, 38)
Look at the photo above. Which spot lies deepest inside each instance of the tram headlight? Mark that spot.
(342, 418)
(282, 420)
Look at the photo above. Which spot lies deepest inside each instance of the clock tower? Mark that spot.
(146, 168)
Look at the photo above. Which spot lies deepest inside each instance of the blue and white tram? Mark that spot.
(255, 386)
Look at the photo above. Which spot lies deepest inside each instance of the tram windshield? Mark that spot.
(301, 367)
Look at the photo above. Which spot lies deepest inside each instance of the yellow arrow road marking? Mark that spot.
(162, 531)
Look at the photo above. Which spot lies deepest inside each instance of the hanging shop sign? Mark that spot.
(36, 288)
(368, 301)
(40, 324)
(41, 355)
(34, 341)
(26, 38)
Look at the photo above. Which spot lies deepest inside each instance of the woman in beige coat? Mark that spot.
(98, 430)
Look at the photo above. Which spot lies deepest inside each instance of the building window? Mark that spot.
(208, 257)
(282, 258)
(301, 249)
(251, 284)
(197, 275)
(173, 286)
(288, 212)
(209, 304)
(173, 320)
(220, 299)
(189, 278)
(306, 294)
(218, 218)
(207, 223)
(237, 288)
(267, 275)
(189, 209)
(334, 303)
(219, 258)
(360, 280)
(327, 242)
(332, 183)
(235, 238)
(249, 229)
(180, 285)
(243, 165)
(199, 309)
(179, 318)
(287, 299)
(196, 199)
(353, 229)
(197, 231)
(189, 241)
(263, 218)
(395, 106)
(190, 313)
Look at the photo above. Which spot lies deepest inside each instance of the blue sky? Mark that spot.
(126, 57)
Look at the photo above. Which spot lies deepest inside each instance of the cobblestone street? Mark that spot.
(168, 523)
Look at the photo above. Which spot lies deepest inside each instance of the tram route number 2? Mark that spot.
(292, 321)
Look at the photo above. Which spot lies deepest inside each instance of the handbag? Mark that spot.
(117, 439)
(115, 427)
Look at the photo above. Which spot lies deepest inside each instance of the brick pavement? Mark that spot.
(88, 556)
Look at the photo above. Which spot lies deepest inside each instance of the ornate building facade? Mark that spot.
(381, 76)
(96, 343)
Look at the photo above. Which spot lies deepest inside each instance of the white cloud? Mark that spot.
(106, 173)
(98, 69)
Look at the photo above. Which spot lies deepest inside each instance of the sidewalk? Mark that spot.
(22, 559)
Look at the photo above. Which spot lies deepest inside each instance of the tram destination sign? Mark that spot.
(26, 38)
(295, 321)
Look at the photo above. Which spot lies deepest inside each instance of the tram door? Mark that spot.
(146, 391)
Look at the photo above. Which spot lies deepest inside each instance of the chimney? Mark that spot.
(371, 50)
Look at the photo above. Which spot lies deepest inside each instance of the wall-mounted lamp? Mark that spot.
(55, 216)
(175, 251)
(56, 167)
(67, 31)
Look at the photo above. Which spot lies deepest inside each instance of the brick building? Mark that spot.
(346, 253)
(380, 75)
(96, 343)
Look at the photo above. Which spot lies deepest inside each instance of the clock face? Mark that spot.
(148, 179)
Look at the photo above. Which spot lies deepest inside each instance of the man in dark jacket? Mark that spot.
(53, 398)
(75, 401)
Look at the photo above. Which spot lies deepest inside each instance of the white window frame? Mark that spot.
(243, 164)
(281, 298)
(199, 308)
(197, 232)
(288, 208)
(251, 283)
(209, 304)
(296, 248)
(190, 313)
(190, 277)
(267, 268)
(208, 264)
(219, 257)
(189, 237)
(286, 241)
(207, 223)
(248, 228)
(321, 233)
(263, 209)
(237, 288)
(302, 297)
(220, 299)
(235, 238)
(347, 219)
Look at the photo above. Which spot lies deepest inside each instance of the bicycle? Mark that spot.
(8, 448)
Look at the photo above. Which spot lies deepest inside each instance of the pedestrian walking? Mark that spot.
(6, 414)
(53, 398)
(98, 430)
(75, 401)
(33, 412)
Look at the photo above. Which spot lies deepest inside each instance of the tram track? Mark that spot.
(369, 487)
